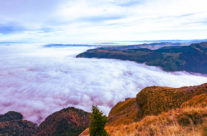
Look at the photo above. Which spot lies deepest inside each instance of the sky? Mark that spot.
(88, 21)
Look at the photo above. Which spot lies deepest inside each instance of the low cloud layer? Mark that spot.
(38, 81)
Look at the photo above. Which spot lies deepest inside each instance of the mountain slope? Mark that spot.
(160, 111)
(191, 58)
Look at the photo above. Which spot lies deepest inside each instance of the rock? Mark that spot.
(11, 124)
(10, 116)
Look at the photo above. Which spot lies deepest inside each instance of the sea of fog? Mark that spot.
(38, 81)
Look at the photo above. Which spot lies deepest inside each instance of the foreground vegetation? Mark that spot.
(98, 121)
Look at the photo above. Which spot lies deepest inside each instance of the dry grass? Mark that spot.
(188, 121)
(154, 100)
(200, 100)
(124, 112)
(85, 132)
(162, 111)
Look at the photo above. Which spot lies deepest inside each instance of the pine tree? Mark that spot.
(98, 121)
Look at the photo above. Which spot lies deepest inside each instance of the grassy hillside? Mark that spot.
(166, 111)
(161, 111)
(191, 58)
(189, 121)
(154, 100)
(196, 101)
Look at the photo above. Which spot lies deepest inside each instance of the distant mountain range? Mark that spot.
(170, 57)
(68, 45)
(146, 43)
(99, 44)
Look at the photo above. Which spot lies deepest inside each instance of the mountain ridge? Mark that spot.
(191, 58)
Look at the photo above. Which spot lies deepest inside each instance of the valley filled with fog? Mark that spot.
(37, 81)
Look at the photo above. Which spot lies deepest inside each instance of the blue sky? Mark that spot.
(87, 21)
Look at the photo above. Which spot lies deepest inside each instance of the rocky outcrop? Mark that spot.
(11, 124)
(67, 122)
(10, 116)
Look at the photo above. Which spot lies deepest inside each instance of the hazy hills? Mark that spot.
(151, 44)
(191, 58)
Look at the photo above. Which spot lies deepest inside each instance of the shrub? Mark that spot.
(98, 121)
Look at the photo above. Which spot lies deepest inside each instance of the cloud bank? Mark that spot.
(38, 81)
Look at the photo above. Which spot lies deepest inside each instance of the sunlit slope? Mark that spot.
(161, 111)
